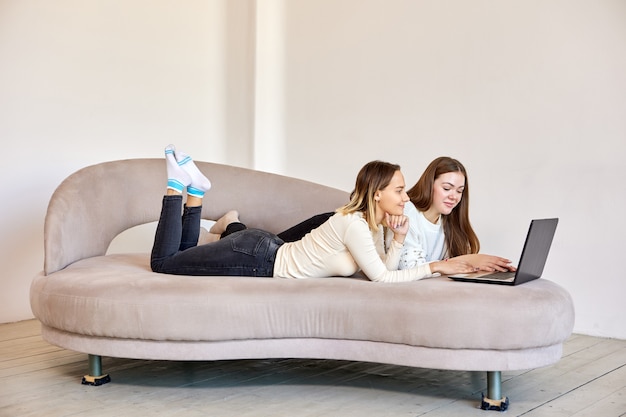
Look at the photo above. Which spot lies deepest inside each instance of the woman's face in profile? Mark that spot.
(392, 198)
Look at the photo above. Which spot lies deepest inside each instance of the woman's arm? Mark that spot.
(413, 253)
(359, 241)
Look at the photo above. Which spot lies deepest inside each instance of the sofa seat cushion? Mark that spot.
(119, 296)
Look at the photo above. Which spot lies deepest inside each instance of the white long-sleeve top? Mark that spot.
(424, 242)
(340, 247)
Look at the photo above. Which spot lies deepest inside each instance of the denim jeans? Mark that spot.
(298, 231)
(249, 252)
(292, 234)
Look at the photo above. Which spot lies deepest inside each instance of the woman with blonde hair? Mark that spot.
(349, 241)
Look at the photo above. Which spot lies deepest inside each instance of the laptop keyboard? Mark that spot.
(498, 276)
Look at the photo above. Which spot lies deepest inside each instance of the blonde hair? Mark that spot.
(374, 176)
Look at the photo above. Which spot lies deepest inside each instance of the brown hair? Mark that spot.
(460, 237)
(374, 176)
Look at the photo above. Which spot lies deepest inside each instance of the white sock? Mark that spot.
(177, 178)
(199, 184)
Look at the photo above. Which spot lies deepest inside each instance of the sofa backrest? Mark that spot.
(95, 204)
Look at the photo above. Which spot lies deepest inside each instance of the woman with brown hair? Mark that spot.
(439, 225)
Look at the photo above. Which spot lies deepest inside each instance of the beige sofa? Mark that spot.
(114, 305)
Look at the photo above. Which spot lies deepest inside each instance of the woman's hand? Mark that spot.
(399, 225)
(488, 263)
(452, 266)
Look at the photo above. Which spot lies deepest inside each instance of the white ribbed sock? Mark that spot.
(177, 177)
(199, 184)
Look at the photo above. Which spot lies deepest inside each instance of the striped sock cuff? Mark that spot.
(175, 185)
(195, 192)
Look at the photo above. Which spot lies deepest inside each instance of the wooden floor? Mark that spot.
(38, 379)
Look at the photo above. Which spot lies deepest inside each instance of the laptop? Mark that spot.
(532, 260)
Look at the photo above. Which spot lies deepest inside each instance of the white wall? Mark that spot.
(88, 81)
(529, 95)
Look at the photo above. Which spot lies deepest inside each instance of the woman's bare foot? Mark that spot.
(220, 225)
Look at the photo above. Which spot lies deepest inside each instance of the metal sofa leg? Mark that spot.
(494, 400)
(95, 376)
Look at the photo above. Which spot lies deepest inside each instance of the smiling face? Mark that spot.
(391, 199)
(447, 194)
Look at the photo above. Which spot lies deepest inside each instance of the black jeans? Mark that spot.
(292, 234)
(248, 252)
(298, 231)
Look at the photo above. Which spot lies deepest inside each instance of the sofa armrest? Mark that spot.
(95, 204)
